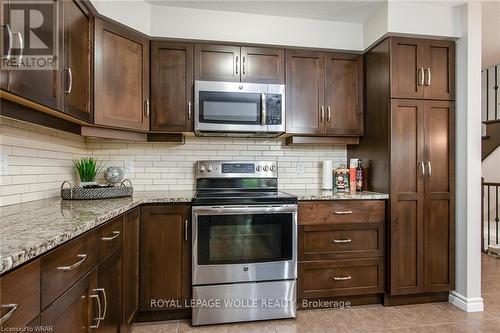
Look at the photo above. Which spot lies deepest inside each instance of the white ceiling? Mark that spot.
(334, 10)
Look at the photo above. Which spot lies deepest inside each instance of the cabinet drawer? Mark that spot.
(342, 211)
(339, 242)
(20, 295)
(340, 278)
(109, 237)
(62, 267)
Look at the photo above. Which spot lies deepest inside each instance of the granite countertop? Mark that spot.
(331, 195)
(31, 229)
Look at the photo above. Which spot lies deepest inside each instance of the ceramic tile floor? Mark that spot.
(434, 317)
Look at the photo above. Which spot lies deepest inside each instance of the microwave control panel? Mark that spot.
(273, 109)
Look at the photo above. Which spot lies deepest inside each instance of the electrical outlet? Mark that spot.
(129, 166)
(3, 165)
(300, 168)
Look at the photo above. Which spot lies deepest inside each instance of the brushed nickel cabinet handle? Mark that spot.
(329, 114)
(343, 212)
(13, 308)
(186, 230)
(146, 108)
(421, 75)
(75, 265)
(428, 76)
(237, 64)
(322, 113)
(243, 64)
(9, 43)
(116, 233)
(103, 291)
(99, 315)
(429, 169)
(422, 169)
(70, 80)
(347, 240)
(342, 278)
(189, 110)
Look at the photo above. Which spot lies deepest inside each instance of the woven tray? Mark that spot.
(92, 193)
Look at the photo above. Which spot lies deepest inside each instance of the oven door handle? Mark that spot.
(222, 210)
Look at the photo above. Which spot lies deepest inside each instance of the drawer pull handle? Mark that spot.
(342, 278)
(343, 212)
(75, 265)
(342, 240)
(116, 234)
(99, 315)
(13, 308)
(103, 291)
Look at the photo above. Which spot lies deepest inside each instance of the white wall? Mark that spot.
(375, 26)
(467, 295)
(490, 33)
(134, 13)
(490, 167)
(250, 28)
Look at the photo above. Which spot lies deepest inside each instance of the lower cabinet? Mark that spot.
(109, 276)
(130, 279)
(165, 257)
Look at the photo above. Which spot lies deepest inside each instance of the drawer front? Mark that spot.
(329, 241)
(62, 267)
(20, 295)
(109, 237)
(341, 211)
(341, 278)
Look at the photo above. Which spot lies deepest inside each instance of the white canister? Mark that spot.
(327, 175)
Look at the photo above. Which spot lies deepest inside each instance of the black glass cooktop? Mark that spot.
(233, 197)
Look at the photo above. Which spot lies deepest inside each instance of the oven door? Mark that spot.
(244, 243)
(230, 107)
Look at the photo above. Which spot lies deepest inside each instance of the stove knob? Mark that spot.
(259, 168)
(273, 167)
(210, 168)
(266, 168)
(202, 168)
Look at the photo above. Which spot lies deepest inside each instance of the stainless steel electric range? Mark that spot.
(244, 264)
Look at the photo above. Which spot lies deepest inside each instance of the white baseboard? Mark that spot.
(473, 304)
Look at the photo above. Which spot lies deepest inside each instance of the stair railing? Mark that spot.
(490, 211)
(490, 81)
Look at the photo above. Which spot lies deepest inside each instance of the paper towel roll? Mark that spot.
(327, 175)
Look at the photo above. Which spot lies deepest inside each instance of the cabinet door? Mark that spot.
(131, 265)
(407, 198)
(343, 94)
(165, 256)
(109, 276)
(305, 83)
(39, 85)
(262, 65)
(171, 87)
(76, 310)
(76, 81)
(217, 62)
(439, 70)
(407, 68)
(439, 196)
(121, 77)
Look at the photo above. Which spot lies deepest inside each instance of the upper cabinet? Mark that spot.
(121, 77)
(324, 93)
(77, 60)
(238, 64)
(171, 87)
(422, 68)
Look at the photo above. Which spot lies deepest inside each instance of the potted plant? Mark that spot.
(88, 168)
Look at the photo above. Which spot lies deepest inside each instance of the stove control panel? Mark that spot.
(236, 169)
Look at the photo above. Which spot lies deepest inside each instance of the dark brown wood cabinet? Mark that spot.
(165, 256)
(422, 68)
(121, 77)
(414, 139)
(324, 93)
(108, 287)
(234, 63)
(130, 290)
(171, 87)
(77, 57)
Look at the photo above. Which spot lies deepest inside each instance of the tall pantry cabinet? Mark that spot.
(409, 142)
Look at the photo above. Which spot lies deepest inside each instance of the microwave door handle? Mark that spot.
(263, 109)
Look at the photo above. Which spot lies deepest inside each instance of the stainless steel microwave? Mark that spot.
(239, 109)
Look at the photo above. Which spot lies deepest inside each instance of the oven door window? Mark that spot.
(230, 108)
(247, 238)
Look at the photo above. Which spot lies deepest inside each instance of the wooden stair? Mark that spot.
(491, 140)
